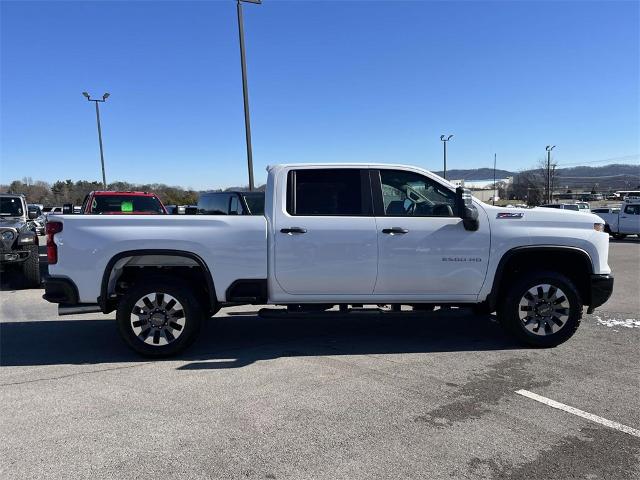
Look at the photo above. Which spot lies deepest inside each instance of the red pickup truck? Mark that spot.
(122, 203)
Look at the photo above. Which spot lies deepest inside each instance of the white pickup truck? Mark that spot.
(333, 234)
(621, 221)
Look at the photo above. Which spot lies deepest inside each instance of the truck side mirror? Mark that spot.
(67, 209)
(467, 210)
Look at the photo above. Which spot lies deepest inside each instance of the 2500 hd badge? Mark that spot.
(461, 259)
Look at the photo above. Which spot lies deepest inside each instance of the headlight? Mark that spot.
(8, 236)
(598, 227)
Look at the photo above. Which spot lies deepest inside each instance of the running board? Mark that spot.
(78, 309)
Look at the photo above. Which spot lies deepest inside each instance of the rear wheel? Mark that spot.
(543, 309)
(31, 267)
(160, 318)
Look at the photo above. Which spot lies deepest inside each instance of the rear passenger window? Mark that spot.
(336, 192)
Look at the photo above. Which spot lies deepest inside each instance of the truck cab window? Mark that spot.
(328, 192)
(235, 207)
(632, 209)
(214, 204)
(410, 194)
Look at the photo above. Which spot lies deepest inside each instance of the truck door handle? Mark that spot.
(395, 230)
(293, 230)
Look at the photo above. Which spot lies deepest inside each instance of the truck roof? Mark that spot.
(410, 168)
(107, 193)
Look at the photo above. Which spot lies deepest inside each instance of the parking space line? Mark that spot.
(579, 413)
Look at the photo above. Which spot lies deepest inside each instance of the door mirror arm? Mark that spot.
(467, 210)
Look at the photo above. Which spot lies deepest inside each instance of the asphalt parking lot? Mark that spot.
(347, 397)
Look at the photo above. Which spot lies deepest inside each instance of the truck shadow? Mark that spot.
(232, 342)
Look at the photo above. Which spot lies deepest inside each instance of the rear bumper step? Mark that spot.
(78, 309)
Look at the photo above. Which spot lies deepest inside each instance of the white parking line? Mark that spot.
(579, 413)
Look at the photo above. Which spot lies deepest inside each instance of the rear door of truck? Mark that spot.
(325, 233)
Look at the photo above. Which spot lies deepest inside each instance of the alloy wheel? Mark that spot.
(157, 319)
(544, 309)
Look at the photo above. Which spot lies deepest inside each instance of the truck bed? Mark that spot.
(232, 247)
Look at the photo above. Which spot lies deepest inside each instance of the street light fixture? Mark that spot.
(445, 139)
(548, 148)
(96, 101)
(245, 91)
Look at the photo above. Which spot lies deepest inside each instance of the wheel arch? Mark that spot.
(573, 262)
(106, 302)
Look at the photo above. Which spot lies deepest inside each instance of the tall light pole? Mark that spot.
(245, 91)
(445, 139)
(548, 148)
(96, 101)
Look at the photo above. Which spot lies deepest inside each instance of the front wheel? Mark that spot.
(159, 318)
(543, 309)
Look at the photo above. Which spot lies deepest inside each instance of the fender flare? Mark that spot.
(103, 299)
(497, 278)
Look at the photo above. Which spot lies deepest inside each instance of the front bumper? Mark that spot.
(14, 256)
(601, 290)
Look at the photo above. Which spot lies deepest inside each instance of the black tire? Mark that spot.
(607, 228)
(510, 309)
(191, 318)
(31, 268)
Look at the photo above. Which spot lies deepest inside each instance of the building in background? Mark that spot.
(486, 190)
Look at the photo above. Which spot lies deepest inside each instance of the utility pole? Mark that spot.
(445, 139)
(245, 92)
(494, 178)
(548, 148)
(104, 98)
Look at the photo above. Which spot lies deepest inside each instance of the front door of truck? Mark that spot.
(629, 220)
(423, 246)
(325, 236)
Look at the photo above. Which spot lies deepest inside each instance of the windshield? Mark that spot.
(255, 202)
(11, 207)
(34, 208)
(572, 207)
(124, 204)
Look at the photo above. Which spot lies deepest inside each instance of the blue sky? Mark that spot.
(328, 81)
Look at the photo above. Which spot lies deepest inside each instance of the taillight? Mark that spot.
(52, 248)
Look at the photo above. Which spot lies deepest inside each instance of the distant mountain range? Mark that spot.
(476, 174)
(615, 176)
